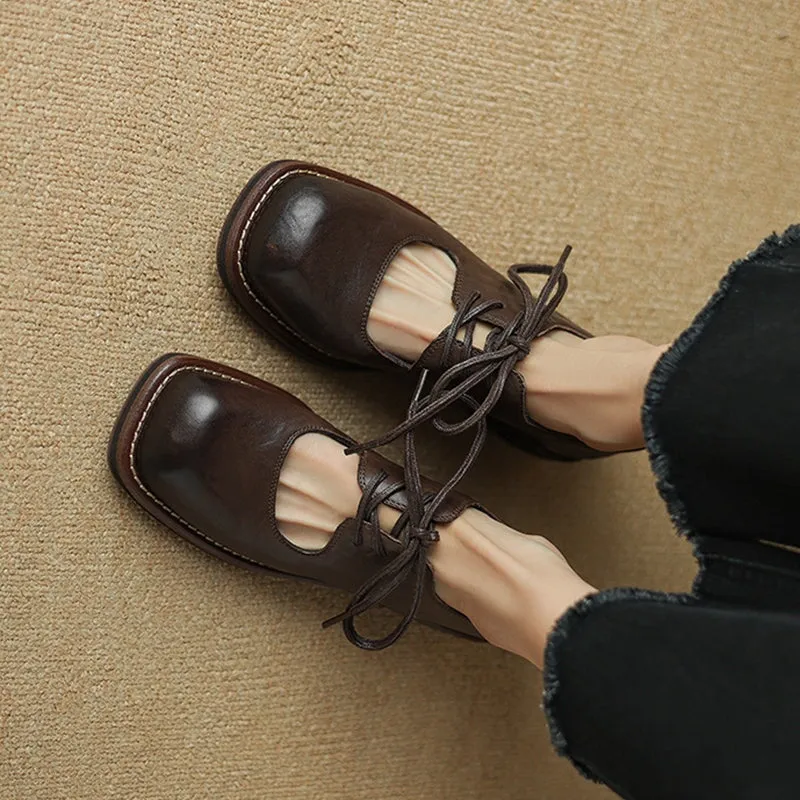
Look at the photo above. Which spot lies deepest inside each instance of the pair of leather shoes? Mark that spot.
(200, 445)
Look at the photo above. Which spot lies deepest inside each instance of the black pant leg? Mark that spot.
(697, 696)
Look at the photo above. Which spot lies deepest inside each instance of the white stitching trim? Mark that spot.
(141, 485)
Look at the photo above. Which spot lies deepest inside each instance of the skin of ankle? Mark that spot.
(512, 586)
(589, 388)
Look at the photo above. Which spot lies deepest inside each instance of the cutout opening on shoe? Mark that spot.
(317, 490)
(413, 303)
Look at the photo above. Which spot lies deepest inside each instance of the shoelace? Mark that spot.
(414, 529)
(503, 349)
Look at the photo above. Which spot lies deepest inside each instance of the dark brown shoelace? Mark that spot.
(414, 529)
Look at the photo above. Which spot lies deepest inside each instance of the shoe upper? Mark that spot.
(209, 449)
(313, 253)
(319, 246)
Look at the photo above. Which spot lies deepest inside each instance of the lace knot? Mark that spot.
(426, 536)
(520, 344)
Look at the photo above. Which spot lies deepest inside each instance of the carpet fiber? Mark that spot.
(660, 141)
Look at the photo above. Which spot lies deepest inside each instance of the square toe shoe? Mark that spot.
(200, 446)
(303, 251)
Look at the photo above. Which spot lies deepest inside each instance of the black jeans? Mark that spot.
(698, 695)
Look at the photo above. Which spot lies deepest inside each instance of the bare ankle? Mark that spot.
(512, 586)
(588, 388)
(592, 388)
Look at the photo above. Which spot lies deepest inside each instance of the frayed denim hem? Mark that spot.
(563, 629)
(768, 251)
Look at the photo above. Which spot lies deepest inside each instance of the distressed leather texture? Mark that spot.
(313, 251)
(210, 450)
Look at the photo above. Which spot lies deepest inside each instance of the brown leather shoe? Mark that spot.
(304, 249)
(200, 446)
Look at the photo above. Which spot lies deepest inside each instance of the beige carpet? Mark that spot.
(660, 141)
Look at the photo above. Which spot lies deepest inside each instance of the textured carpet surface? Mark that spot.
(660, 139)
